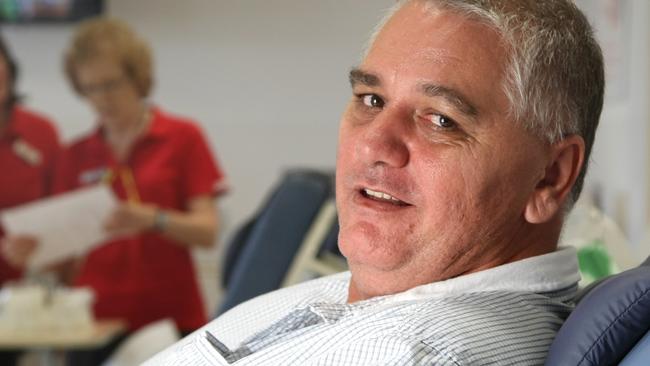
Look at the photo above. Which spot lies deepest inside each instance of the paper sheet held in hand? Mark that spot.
(65, 225)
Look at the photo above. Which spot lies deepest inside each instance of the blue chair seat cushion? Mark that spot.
(606, 324)
(640, 354)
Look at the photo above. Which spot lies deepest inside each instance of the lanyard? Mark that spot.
(125, 175)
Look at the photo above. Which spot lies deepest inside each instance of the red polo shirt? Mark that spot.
(147, 277)
(28, 149)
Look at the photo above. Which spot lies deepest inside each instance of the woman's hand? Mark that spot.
(195, 227)
(130, 219)
(18, 249)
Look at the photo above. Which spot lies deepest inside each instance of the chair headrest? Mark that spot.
(608, 321)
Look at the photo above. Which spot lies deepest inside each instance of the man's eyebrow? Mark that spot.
(358, 76)
(452, 96)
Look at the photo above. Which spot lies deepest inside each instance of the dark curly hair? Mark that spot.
(12, 67)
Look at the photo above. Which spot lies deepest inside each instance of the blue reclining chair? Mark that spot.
(262, 251)
(610, 324)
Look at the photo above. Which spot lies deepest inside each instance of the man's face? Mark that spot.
(432, 175)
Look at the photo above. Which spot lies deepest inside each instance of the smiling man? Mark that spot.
(462, 148)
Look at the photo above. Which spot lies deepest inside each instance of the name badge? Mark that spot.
(93, 176)
(27, 152)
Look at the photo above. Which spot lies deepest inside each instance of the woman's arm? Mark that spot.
(196, 227)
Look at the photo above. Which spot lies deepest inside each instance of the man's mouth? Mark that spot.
(382, 197)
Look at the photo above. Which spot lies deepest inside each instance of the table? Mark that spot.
(102, 332)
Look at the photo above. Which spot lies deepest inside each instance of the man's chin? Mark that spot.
(373, 262)
(375, 251)
(369, 281)
(370, 263)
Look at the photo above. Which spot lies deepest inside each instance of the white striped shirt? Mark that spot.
(506, 315)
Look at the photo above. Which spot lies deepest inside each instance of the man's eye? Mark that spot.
(372, 101)
(442, 121)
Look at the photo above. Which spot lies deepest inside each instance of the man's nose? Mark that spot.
(386, 139)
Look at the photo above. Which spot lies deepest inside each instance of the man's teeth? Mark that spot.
(381, 195)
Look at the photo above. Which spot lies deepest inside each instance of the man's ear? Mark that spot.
(566, 159)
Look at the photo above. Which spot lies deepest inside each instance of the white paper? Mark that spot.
(65, 225)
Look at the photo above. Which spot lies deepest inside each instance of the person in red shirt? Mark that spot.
(28, 147)
(161, 169)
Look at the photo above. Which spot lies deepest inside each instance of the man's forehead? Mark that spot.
(427, 25)
(439, 52)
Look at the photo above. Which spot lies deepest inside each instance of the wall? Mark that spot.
(619, 173)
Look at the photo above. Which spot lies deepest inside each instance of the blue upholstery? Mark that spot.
(331, 242)
(607, 322)
(261, 252)
(640, 354)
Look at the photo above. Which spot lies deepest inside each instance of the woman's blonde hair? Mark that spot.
(107, 37)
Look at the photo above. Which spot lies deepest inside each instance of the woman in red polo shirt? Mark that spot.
(158, 165)
(28, 148)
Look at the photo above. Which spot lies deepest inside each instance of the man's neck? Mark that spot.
(539, 239)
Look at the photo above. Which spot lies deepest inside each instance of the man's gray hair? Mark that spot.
(555, 75)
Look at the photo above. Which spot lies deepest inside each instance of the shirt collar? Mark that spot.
(544, 273)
